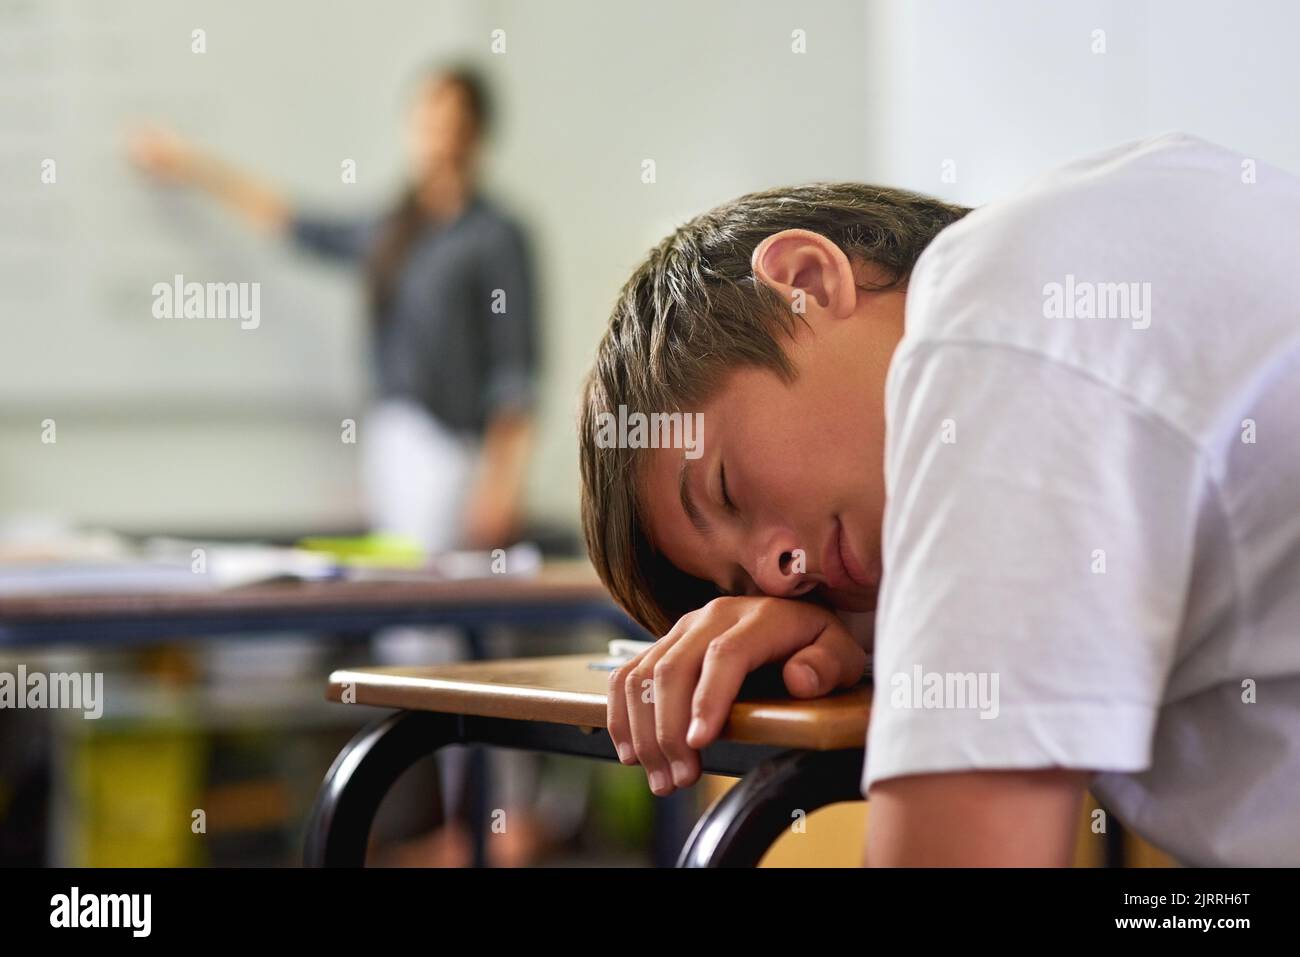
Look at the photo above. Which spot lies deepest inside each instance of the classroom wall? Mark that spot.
(209, 428)
(164, 424)
(1008, 89)
(200, 428)
(712, 93)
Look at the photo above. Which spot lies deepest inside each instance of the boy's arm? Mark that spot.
(1036, 572)
(975, 819)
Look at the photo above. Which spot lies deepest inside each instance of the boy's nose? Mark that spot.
(783, 572)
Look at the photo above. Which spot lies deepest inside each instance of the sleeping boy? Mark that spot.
(1052, 444)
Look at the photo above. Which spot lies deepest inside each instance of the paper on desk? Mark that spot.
(621, 651)
(64, 578)
(159, 565)
(227, 565)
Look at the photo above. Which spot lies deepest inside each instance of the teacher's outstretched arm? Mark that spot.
(168, 157)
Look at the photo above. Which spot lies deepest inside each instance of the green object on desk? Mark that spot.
(379, 550)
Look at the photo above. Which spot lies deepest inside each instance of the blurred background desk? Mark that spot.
(563, 593)
(212, 704)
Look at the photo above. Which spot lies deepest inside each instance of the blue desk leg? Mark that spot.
(339, 826)
(742, 824)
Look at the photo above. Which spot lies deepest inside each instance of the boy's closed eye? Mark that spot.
(727, 503)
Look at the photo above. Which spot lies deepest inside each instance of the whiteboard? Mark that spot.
(79, 256)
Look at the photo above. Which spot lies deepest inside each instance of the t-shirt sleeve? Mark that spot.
(1037, 548)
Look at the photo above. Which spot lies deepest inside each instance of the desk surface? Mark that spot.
(562, 592)
(557, 582)
(564, 690)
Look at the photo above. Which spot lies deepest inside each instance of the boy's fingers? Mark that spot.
(617, 702)
(675, 675)
(833, 661)
(639, 695)
(739, 651)
(639, 692)
(616, 716)
(726, 662)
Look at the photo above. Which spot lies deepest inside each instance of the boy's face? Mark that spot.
(802, 461)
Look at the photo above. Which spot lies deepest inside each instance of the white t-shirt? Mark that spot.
(1093, 521)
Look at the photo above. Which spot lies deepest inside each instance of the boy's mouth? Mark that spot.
(843, 570)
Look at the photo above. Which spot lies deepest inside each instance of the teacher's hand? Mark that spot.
(162, 154)
(492, 518)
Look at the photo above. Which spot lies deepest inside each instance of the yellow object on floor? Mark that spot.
(134, 795)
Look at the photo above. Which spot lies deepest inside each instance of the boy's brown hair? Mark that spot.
(692, 312)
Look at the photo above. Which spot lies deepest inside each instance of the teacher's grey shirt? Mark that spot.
(441, 341)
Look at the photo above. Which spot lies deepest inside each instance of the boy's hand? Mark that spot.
(673, 699)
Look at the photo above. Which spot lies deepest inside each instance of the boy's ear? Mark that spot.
(804, 267)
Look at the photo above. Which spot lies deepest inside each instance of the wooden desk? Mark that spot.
(793, 755)
(561, 592)
(563, 689)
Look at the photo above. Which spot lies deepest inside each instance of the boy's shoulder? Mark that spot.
(1118, 188)
(1120, 266)
(1108, 213)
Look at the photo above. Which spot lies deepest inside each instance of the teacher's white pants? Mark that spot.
(416, 473)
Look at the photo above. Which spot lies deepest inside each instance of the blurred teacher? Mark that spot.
(450, 292)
